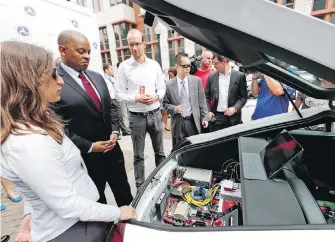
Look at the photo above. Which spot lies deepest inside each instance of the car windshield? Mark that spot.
(315, 80)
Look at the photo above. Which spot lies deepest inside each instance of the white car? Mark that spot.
(265, 180)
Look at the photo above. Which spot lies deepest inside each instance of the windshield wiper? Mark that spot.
(291, 100)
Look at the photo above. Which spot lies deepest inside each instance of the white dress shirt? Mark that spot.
(187, 92)
(53, 179)
(224, 81)
(75, 75)
(132, 75)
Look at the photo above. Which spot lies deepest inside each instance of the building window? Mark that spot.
(121, 31)
(101, 4)
(199, 49)
(148, 51)
(126, 54)
(324, 9)
(117, 36)
(104, 42)
(125, 27)
(319, 17)
(121, 1)
(172, 34)
(332, 18)
(97, 5)
(172, 53)
(151, 50)
(116, 2)
(157, 53)
(147, 33)
(109, 58)
(104, 30)
(123, 54)
(106, 57)
(319, 5)
(103, 57)
(104, 46)
(289, 3)
(175, 46)
(119, 56)
(181, 46)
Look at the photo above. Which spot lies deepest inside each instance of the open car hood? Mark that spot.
(260, 35)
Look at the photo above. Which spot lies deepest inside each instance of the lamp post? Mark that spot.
(158, 31)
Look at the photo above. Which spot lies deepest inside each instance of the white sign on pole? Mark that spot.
(40, 21)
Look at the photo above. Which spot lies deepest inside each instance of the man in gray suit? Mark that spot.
(185, 101)
(226, 94)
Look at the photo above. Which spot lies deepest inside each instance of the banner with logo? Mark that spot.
(40, 21)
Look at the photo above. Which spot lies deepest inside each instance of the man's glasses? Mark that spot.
(186, 66)
(132, 45)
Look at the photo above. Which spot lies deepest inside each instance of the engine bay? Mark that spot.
(195, 189)
(201, 198)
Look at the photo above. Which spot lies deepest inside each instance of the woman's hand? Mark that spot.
(127, 212)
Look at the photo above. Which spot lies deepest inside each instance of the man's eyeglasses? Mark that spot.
(186, 66)
(132, 45)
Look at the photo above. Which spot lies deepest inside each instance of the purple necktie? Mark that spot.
(90, 91)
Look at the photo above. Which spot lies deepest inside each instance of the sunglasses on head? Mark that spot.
(186, 66)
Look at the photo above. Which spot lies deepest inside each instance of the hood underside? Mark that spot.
(258, 34)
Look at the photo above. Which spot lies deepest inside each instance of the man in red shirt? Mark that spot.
(204, 72)
(205, 69)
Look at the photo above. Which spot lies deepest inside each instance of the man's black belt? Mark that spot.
(146, 113)
(188, 117)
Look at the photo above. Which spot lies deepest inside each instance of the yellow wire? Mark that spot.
(187, 196)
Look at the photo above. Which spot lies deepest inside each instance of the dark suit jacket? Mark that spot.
(237, 94)
(197, 99)
(84, 123)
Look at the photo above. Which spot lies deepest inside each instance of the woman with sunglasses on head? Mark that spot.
(41, 161)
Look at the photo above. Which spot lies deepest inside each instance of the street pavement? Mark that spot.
(11, 217)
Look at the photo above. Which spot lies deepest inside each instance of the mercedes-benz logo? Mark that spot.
(29, 10)
(95, 45)
(22, 30)
(75, 23)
